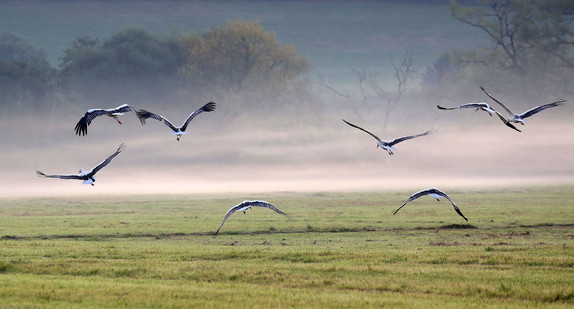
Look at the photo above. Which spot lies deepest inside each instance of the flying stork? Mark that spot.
(485, 107)
(519, 118)
(388, 146)
(434, 192)
(246, 205)
(178, 131)
(89, 176)
(82, 125)
(479, 106)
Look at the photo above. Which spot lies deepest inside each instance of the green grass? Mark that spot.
(335, 250)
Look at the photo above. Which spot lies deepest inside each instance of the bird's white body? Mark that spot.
(88, 181)
(179, 132)
(516, 119)
(244, 209)
(435, 195)
(389, 149)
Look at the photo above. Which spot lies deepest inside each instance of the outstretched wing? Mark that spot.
(98, 167)
(82, 125)
(266, 205)
(506, 122)
(538, 109)
(495, 100)
(467, 105)
(65, 176)
(229, 213)
(371, 134)
(145, 115)
(414, 196)
(398, 140)
(439, 192)
(246, 204)
(127, 108)
(209, 107)
(446, 108)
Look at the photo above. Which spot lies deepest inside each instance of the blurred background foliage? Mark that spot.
(531, 52)
(27, 79)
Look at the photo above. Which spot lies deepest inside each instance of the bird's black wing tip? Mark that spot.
(209, 107)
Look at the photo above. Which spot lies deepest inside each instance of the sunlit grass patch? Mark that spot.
(336, 250)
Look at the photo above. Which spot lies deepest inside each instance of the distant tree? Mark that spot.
(434, 74)
(373, 89)
(26, 77)
(132, 64)
(242, 61)
(378, 95)
(532, 42)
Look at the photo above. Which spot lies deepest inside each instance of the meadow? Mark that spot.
(336, 249)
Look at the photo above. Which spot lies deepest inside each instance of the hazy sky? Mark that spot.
(466, 148)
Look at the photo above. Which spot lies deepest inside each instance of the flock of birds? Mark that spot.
(89, 177)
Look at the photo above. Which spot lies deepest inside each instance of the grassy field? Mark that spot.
(335, 250)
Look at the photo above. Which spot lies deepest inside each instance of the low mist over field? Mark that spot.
(220, 157)
(255, 141)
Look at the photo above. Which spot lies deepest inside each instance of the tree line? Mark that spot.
(531, 51)
(239, 60)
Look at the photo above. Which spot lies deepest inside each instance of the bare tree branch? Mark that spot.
(325, 85)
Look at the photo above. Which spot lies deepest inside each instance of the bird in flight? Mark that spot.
(519, 118)
(479, 106)
(434, 192)
(82, 125)
(387, 145)
(246, 205)
(485, 107)
(178, 131)
(89, 176)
